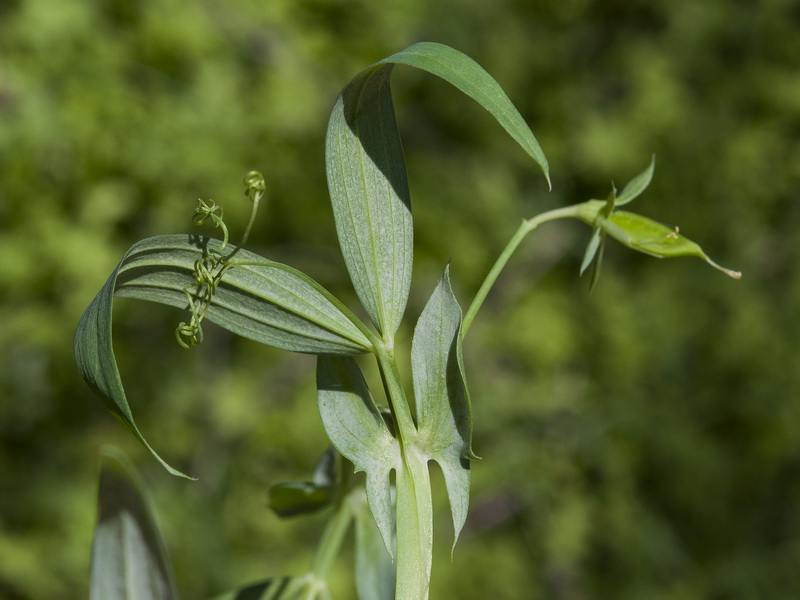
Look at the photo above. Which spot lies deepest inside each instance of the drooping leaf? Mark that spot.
(358, 431)
(375, 573)
(260, 299)
(470, 78)
(306, 497)
(655, 239)
(129, 559)
(367, 174)
(440, 388)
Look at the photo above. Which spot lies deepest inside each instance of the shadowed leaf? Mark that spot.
(129, 559)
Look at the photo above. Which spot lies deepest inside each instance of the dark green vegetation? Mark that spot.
(638, 442)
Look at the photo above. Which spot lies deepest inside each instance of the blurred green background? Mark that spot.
(638, 442)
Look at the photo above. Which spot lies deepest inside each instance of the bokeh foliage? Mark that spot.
(639, 442)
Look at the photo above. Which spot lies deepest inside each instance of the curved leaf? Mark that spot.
(367, 174)
(258, 299)
(129, 559)
(468, 76)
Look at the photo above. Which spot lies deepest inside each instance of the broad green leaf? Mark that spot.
(440, 388)
(637, 185)
(274, 588)
(129, 559)
(375, 573)
(367, 174)
(260, 299)
(655, 239)
(305, 497)
(370, 199)
(357, 430)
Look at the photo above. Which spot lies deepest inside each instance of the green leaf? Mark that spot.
(375, 573)
(637, 185)
(591, 250)
(370, 198)
(367, 174)
(655, 239)
(260, 299)
(358, 431)
(306, 497)
(129, 559)
(440, 388)
(468, 76)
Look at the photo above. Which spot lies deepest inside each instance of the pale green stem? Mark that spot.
(401, 411)
(414, 540)
(414, 529)
(525, 228)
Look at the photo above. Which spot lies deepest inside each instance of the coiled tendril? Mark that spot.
(209, 270)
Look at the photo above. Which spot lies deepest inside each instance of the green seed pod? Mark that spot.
(653, 238)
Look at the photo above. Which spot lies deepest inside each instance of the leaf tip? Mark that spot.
(729, 272)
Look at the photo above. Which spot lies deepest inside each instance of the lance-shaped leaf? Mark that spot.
(367, 175)
(259, 299)
(129, 559)
(440, 388)
(358, 431)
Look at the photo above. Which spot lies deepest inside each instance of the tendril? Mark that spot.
(212, 211)
(209, 270)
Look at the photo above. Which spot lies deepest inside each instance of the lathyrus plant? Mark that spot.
(277, 305)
